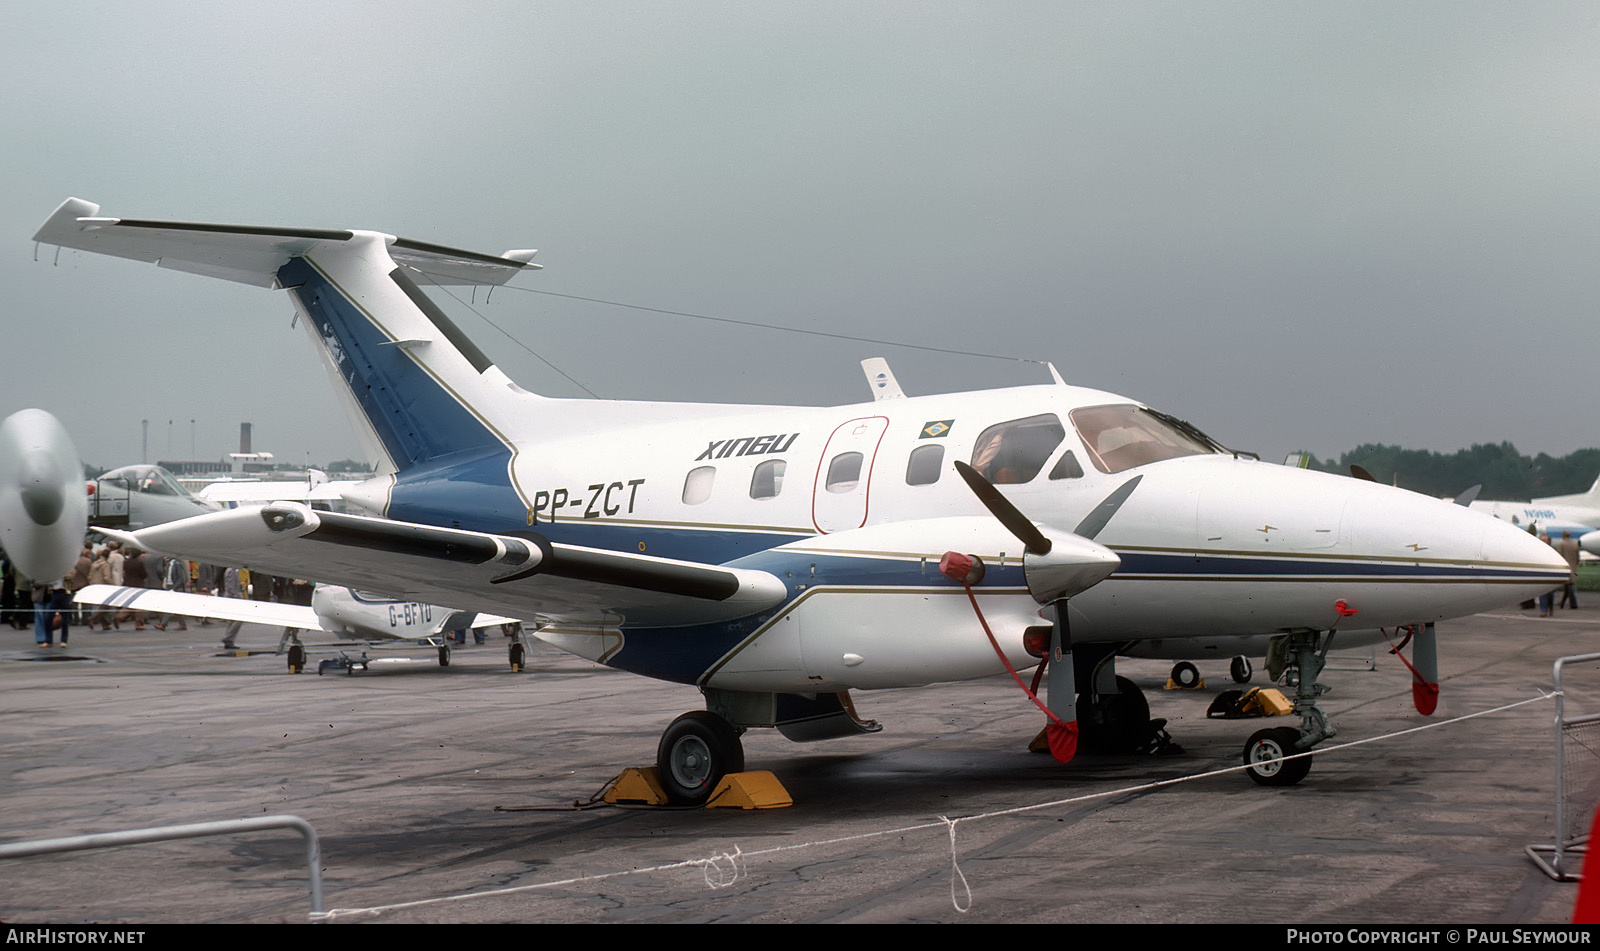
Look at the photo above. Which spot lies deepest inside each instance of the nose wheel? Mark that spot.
(1264, 755)
(696, 751)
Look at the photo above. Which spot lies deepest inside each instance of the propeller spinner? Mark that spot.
(43, 505)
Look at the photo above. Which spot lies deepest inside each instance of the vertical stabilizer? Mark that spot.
(426, 400)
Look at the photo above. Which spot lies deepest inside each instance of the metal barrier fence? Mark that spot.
(78, 843)
(1577, 758)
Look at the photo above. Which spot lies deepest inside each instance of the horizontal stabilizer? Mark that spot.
(253, 255)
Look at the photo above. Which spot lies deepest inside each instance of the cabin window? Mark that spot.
(925, 465)
(844, 472)
(697, 486)
(767, 481)
(1067, 467)
(1124, 435)
(1014, 452)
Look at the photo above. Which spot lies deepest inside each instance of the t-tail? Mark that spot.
(432, 410)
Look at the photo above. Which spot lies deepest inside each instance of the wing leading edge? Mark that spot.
(524, 576)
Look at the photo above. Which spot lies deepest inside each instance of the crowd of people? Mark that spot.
(47, 606)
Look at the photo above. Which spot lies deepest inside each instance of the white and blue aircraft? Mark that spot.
(777, 557)
(1578, 515)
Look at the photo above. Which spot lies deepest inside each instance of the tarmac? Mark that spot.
(445, 795)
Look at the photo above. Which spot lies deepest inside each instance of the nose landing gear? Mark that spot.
(1264, 753)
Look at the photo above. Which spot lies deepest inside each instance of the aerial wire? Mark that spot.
(569, 378)
(745, 323)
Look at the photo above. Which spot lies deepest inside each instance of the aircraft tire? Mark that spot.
(1185, 674)
(1120, 723)
(1240, 670)
(1271, 744)
(518, 658)
(444, 656)
(696, 751)
(297, 659)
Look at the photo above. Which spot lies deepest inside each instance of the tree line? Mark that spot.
(1504, 473)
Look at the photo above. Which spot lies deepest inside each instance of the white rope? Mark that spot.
(956, 873)
(725, 868)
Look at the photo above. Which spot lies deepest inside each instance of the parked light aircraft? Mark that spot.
(140, 496)
(777, 557)
(347, 614)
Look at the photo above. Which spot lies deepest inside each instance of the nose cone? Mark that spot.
(1445, 559)
(1529, 565)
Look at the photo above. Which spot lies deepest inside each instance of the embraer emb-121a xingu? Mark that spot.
(673, 540)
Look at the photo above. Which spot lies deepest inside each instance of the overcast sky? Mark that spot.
(1298, 225)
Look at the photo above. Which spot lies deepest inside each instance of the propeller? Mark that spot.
(44, 507)
(1056, 566)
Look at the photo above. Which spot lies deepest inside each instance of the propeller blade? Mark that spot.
(1361, 473)
(1467, 497)
(1101, 514)
(1001, 508)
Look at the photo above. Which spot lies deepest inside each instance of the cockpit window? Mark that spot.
(152, 480)
(1067, 467)
(1014, 452)
(1122, 435)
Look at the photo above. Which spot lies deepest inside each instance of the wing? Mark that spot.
(260, 492)
(524, 576)
(200, 605)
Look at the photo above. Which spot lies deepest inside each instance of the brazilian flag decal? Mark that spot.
(937, 428)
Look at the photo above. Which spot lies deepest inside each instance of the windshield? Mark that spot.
(153, 480)
(1122, 435)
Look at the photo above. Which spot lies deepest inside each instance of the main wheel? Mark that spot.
(518, 654)
(1185, 674)
(696, 751)
(1264, 755)
(1240, 669)
(1119, 723)
(444, 656)
(297, 659)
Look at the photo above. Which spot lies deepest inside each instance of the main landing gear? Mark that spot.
(1264, 754)
(517, 653)
(1113, 714)
(696, 751)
